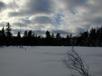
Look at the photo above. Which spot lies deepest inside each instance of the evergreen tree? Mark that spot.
(48, 34)
(58, 36)
(19, 35)
(8, 30)
(30, 34)
(25, 34)
(52, 35)
(3, 32)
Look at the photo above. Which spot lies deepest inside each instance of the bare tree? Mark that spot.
(75, 62)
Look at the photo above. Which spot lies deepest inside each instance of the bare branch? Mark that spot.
(75, 62)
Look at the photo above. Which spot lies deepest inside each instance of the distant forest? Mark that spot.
(93, 37)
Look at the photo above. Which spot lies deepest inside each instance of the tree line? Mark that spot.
(87, 38)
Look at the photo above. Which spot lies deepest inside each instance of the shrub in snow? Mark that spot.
(75, 62)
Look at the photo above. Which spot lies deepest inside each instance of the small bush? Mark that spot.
(75, 62)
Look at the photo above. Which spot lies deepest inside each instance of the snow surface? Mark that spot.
(45, 61)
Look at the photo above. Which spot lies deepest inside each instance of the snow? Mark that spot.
(45, 61)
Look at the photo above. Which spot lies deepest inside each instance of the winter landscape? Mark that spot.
(46, 60)
(50, 37)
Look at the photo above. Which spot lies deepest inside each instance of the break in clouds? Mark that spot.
(62, 15)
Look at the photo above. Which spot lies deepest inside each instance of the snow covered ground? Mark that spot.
(45, 61)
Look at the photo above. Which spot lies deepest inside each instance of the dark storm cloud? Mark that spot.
(2, 6)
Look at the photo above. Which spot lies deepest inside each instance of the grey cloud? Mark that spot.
(2, 6)
(73, 4)
(93, 13)
(39, 6)
(22, 22)
(42, 20)
(13, 14)
(2, 24)
(32, 7)
(76, 2)
(93, 22)
(19, 14)
(26, 21)
(79, 30)
(93, 16)
(97, 21)
(19, 24)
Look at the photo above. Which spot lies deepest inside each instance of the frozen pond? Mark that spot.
(45, 61)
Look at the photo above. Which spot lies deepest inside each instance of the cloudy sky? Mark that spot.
(62, 15)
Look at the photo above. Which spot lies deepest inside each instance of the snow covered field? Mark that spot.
(45, 61)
